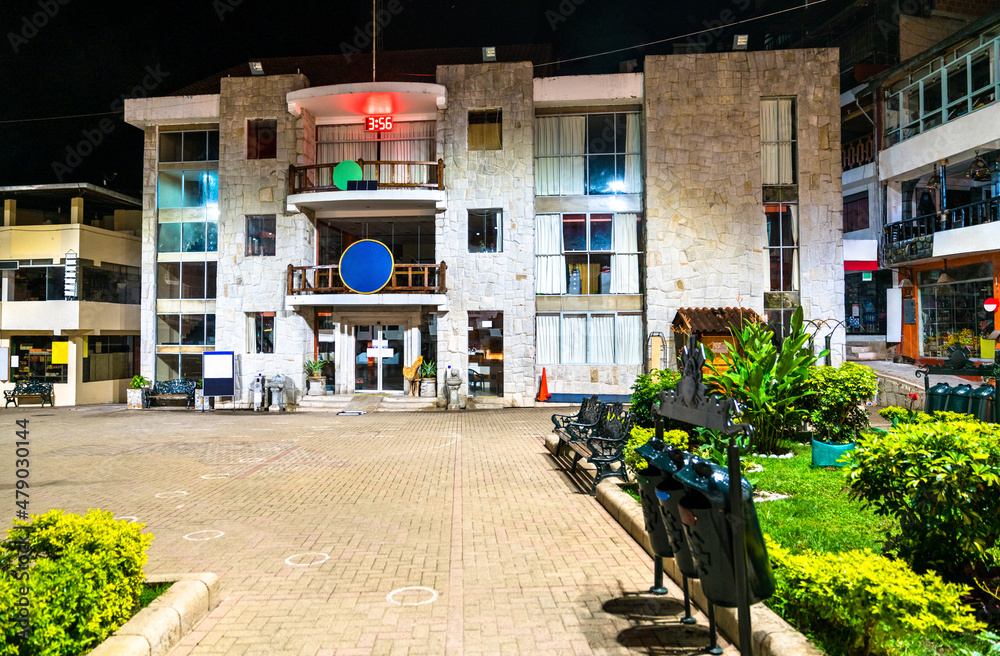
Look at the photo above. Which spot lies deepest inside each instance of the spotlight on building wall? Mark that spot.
(489, 53)
(256, 68)
(740, 41)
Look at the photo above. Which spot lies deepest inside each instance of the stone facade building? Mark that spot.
(531, 221)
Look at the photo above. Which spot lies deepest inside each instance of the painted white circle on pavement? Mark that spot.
(171, 495)
(210, 477)
(288, 561)
(252, 460)
(433, 593)
(209, 537)
(132, 518)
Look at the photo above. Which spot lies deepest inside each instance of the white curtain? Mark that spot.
(602, 339)
(550, 264)
(559, 150)
(776, 135)
(629, 339)
(574, 339)
(625, 261)
(633, 163)
(413, 141)
(340, 143)
(547, 338)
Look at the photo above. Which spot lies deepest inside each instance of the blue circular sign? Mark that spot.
(366, 266)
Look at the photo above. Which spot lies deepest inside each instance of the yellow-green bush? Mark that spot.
(633, 461)
(941, 481)
(83, 584)
(861, 603)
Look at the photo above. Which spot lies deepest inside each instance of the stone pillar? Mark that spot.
(76, 211)
(9, 213)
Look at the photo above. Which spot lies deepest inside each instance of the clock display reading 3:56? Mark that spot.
(378, 123)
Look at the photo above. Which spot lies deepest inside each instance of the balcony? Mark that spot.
(390, 183)
(858, 152)
(914, 239)
(410, 284)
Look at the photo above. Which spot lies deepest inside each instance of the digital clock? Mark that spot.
(378, 123)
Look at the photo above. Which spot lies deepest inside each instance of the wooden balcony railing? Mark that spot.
(388, 175)
(913, 239)
(857, 153)
(406, 279)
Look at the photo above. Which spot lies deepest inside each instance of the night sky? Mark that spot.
(71, 57)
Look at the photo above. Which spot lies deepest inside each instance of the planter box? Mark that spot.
(134, 398)
(428, 388)
(317, 387)
(827, 455)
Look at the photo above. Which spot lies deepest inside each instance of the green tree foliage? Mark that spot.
(633, 461)
(645, 390)
(941, 481)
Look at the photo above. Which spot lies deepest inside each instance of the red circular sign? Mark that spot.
(991, 304)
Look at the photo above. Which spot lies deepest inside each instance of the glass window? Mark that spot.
(263, 331)
(588, 154)
(486, 129)
(598, 338)
(189, 146)
(261, 235)
(485, 375)
(783, 255)
(169, 189)
(39, 283)
(952, 312)
(262, 139)
(169, 240)
(193, 238)
(598, 253)
(171, 146)
(168, 280)
(193, 280)
(777, 141)
(864, 301)
(856, 212)
(110, 283)
(485, 231)
(109, 358)
(35, 359)
(195, 146)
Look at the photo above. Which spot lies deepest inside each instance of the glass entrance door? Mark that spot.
(378, 358)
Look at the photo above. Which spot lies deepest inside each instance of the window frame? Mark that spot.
(258, 324)
(485, 215)
(778, 141)
(588, 315)
(481, 117)
(262, 242)
(257, 148)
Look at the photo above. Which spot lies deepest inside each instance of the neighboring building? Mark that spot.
(70, 256)
(939, 131)
(534, 221)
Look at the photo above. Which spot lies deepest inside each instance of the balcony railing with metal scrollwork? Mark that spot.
(913, 239)
(857, 153)
(406, 279)
(388, 175)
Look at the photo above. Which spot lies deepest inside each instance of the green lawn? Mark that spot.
(819, 513)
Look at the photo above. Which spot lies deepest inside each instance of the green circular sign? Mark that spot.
(345, 172)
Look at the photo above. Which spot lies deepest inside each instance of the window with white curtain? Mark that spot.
(589, 338)
(408, 141)
(777, 141)
(596, 253)
(590, 154)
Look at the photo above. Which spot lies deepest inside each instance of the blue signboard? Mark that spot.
(366, 266)
(219, 373)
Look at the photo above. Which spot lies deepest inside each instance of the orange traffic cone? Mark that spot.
(543, 393)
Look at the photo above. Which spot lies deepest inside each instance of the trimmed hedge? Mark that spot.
(633, 461)
(84, 582)
(860, 603)
(836, 408)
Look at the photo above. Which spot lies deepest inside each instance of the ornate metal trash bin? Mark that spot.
(648, 479)
(981, 405)
(703, 511)
(937, 398)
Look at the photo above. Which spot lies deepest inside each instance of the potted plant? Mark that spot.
(837, 408)
(428, 379)
(135, 394)
(317, 383)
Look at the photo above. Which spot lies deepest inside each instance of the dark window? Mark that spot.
(170, 366)
(262, 139)
(865, 301)
(856, 212)
(111, 283)
(38, 283)
(261, 234)
(109, 358)
(185, 329)
(263, 329)
(486, 129)
(485, 231)
(783, 254)
(190, 146)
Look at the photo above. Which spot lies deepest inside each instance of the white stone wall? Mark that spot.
(147, 320)
(489, 179)
(706, 231)
(258, 284)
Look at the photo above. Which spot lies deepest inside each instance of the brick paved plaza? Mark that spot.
(313, 520)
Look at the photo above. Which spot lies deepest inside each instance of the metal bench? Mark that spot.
(178, 389)
(580, 424)
(29, 388)
(602, 445)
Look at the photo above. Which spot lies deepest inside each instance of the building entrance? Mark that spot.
(378, 358)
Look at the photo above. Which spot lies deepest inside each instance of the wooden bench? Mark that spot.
(178, 389)
(602, 445)
(29, 388)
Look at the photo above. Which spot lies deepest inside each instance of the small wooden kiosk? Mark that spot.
(712, 326)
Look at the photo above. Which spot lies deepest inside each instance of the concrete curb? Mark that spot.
(157, 629)
(772, 636)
